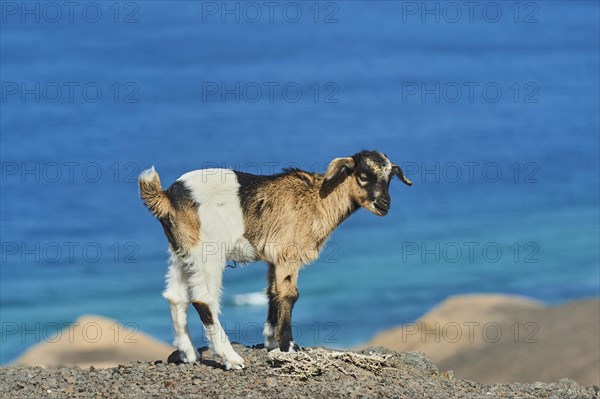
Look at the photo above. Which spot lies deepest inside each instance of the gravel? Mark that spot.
(403, 375)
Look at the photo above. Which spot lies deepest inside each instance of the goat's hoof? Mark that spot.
(291, 347)
(234, 362)
(270, 344)
(190, 357)
(294, 347)
(179, 357)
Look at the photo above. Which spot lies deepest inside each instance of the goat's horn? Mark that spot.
(405, 180)
(400, 174)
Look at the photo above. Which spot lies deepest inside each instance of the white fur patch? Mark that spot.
(221, 216)
(269, 332)
(377, 169)
(388, 165)
(177, 295)
(148, 174)
(221, 239)
(292, 346)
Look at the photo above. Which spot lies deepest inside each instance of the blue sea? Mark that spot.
(492, 112)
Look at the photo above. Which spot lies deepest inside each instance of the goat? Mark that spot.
(211, 216)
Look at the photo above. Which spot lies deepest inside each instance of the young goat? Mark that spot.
(213, 215)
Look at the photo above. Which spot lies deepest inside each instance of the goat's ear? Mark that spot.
(336, 172)
(398, 172)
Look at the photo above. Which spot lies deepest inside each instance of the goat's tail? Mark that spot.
(153, 195)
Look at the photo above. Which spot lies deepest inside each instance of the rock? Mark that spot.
(449, 375)
(271, 382)
(452, 335)
(169, 384)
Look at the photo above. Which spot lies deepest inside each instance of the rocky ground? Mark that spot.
(390, 374)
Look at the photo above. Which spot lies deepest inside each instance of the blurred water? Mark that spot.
(442, 235)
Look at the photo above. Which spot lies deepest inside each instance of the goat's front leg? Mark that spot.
(269, 330)
(286, 280)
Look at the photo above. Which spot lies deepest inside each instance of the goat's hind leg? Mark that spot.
(177, 293)
(205, 288)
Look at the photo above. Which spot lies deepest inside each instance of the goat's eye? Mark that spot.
(362, 178)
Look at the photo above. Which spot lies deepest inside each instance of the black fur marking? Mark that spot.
(329, 184)
(374, 156)
(273, 308)
(179, 194)
(376, 182)
(167, 227)
(249, 186)
(204, 313)
(272, 314)
(259, 208)
(362, 167)
(284, 346)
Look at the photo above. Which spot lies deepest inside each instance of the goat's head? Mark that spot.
(370, 173)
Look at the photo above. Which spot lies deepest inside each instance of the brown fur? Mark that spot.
(287, 221)
(186, 227)
(178, 216)
(154, 197)
(286, 280)
(292, 221)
